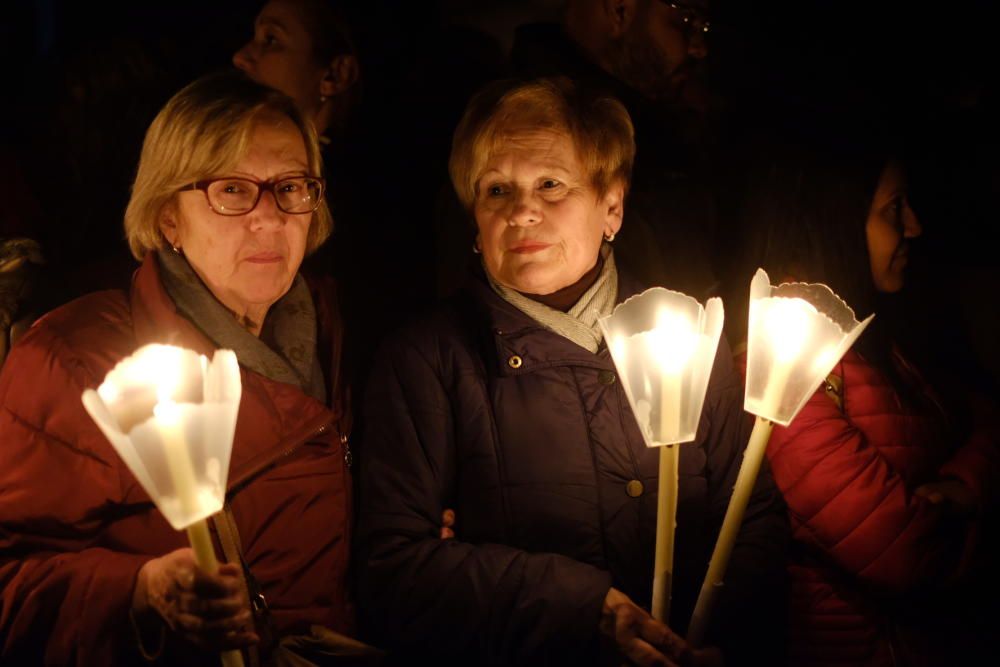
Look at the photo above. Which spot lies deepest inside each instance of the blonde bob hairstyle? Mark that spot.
(203, 131)
(598, 125)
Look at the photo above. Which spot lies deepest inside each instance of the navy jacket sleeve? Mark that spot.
(479, 603)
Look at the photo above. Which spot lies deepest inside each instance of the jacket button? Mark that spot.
(606, 377)
(634, 488)
(515, 361)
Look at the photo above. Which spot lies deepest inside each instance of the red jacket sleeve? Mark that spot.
(847, 500)
(64, 596)
(977, 461)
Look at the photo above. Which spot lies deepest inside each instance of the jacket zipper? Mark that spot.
(348, 456)
(286, 452)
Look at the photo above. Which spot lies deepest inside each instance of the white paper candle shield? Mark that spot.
(171, 416)
(797, 334)
(663, 344)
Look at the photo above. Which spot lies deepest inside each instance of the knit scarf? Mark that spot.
(286, 349)
(579, 323)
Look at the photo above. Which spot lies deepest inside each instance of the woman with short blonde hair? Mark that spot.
(599, 126)
(508, 499)
(198, 133)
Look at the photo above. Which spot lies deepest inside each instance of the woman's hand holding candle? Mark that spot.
(209, 610)
(637, 636)
(642, 640)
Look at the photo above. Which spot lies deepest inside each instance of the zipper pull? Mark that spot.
(348, 457)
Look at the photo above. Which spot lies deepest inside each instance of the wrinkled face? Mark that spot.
(540, 220)
(280, 54)
(247, 261)
(891, 223)
(661, 51)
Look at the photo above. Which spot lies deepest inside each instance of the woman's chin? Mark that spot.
(535, 278)
(261, 295)
(533, 281)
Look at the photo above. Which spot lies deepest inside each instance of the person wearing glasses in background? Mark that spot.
(227, 201)
(652, 56)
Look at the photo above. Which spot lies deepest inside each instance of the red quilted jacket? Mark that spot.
(866, 549)
(76, 527)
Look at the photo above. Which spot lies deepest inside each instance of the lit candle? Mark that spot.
(674, 343)
(752, 458)
(797, 333)
(664, 343)
(175, 447)
(666, 526)
(787, 325)
(143, 407)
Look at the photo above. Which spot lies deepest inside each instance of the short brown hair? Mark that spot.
(598, 125)
(204, 130)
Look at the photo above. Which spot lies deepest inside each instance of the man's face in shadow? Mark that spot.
(661, 53)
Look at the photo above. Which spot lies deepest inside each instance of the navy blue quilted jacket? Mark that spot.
(530, 439)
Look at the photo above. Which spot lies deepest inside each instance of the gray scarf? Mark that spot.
(286, 349)
(579, 324)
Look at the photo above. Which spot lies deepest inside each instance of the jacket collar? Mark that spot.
(523, 345)
(154, 316)
(267, 429)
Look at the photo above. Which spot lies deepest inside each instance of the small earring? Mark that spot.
(175, 249)
(609, 237)
(322, 99)
(476, 249)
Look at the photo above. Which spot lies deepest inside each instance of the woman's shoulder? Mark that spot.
(84, 337)
(68, 350)
(445, 333)
(444, 323)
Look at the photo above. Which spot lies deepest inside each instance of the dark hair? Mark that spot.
(329, 27)
(803, 218)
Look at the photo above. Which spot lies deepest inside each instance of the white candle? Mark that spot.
(175, 449)
(745, 481)
(666, 525)
(674, 341)
(670, 407)
(777, 380)
(787, 326)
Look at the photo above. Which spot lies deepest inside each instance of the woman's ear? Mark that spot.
(614, 207)
(342, 73)
(168, 225)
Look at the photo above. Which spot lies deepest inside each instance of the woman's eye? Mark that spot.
(897, 207)
(268, 40)
(232, 188)
(495, 190)
(550, 184)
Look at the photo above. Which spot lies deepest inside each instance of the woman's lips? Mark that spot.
(529, 248)
(264, 258)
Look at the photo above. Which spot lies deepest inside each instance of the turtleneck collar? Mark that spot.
(564, 299)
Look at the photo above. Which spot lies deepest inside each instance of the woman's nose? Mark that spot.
(525, 211)
(266, 214)
(911, 224)
(243, 59)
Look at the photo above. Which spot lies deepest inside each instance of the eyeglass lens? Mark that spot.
(293, 195)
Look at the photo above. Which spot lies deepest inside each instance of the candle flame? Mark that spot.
(674, 341)
(167, 412)
(788, 324)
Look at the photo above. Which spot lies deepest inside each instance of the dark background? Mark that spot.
(82, 80)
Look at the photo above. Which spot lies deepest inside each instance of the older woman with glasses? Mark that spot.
(227, 201)
(508, 502)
